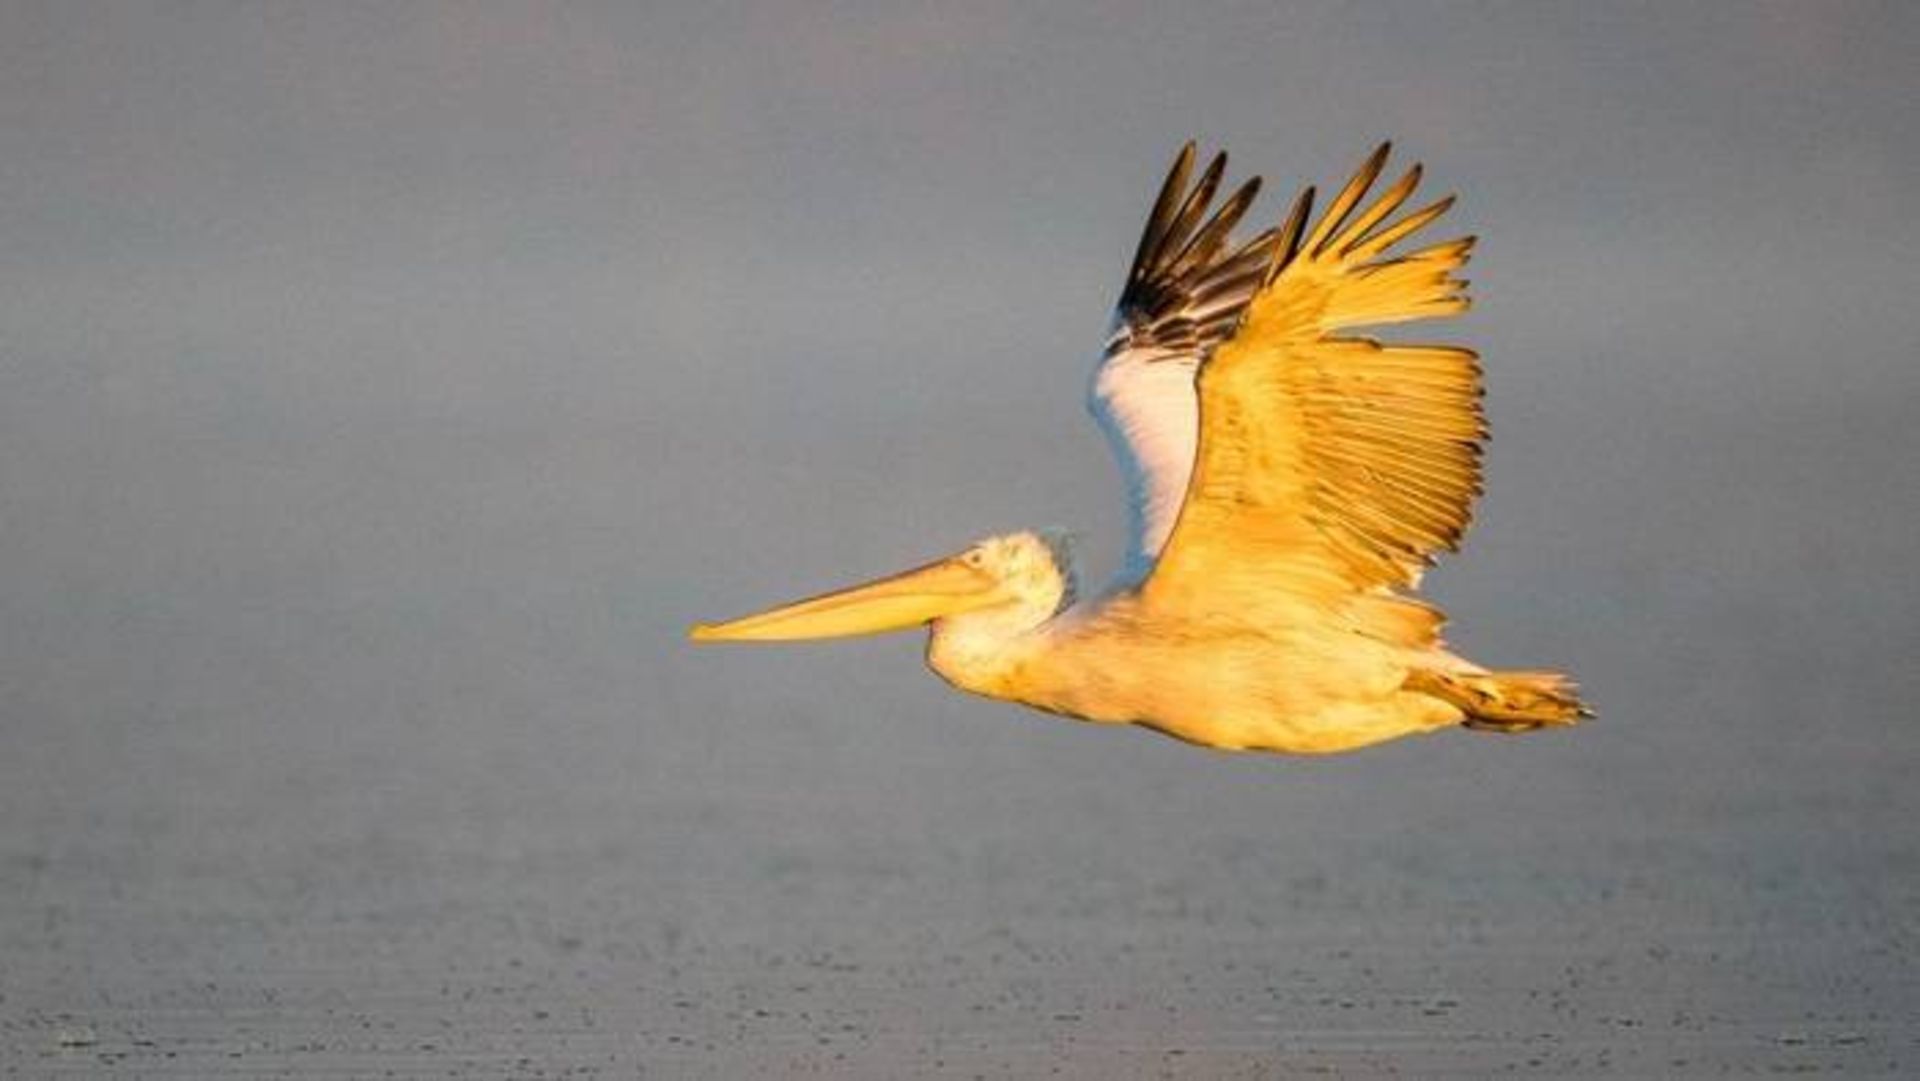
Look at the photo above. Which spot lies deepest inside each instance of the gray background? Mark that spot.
(384, 387)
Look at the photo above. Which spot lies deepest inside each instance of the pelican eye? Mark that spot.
(975, 559)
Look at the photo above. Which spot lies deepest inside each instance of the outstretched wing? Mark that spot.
(1330, 464)
(1183, 296)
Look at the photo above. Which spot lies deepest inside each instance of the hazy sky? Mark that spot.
(366, 364)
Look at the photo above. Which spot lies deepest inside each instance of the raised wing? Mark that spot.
(1330, 464)
(1183, 296)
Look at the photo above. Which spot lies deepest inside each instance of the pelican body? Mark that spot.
(1288, 482)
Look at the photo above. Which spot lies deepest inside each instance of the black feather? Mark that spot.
(1187, 289)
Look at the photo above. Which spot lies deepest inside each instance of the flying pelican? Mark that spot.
(1289, 479)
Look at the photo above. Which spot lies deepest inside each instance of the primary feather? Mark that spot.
(1329, 463)
(1184, 295)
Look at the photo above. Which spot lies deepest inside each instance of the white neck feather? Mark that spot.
(976, 651)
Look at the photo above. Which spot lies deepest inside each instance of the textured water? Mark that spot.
(956, 890)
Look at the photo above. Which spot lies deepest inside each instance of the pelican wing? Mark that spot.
(1330, 464)
(1184, 295)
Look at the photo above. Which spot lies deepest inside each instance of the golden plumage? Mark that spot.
(1262, 607)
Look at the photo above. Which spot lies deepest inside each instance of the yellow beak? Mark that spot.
(944, 588)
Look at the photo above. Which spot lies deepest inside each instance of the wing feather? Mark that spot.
(1349, 197)
(1332, 466)
(1184, 294)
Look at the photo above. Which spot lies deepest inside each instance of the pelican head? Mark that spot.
(1001, 585)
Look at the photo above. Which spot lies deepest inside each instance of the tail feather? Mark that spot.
(1510, 701)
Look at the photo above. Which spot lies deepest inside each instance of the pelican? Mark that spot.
(1288, 478)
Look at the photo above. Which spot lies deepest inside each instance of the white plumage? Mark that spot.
(1147, 407)
(1287, 480)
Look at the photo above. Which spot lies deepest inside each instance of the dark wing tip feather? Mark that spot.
(1188, 285)
(1349, 197)
(1161, 216)
(1290, 232)
(1211, 237)
(1193, 207)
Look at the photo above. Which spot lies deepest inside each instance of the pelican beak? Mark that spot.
(947, 587)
